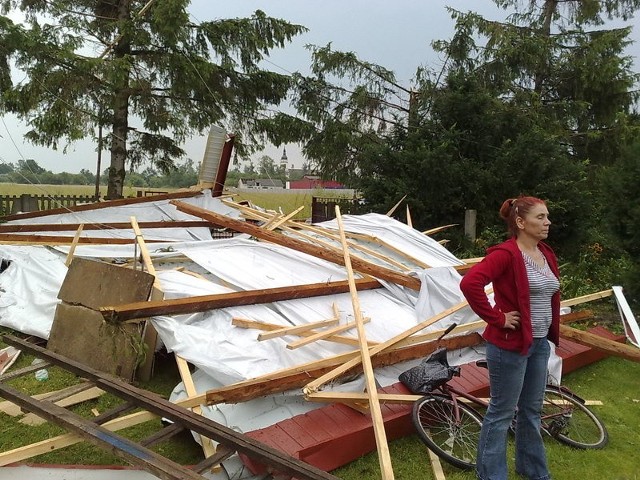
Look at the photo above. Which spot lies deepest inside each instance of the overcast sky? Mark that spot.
(395, 34)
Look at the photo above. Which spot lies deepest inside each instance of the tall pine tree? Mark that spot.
(143, 70)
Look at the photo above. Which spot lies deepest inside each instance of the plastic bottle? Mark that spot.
(42, 374)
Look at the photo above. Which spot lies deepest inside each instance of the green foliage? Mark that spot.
(596, 268)
(535, 106)
(101, 66)
(621, 211)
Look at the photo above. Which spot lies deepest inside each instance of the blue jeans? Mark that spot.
(515, 381)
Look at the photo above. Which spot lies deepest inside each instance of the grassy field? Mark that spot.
(285, 201)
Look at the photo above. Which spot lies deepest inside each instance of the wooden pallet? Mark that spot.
(332, 436)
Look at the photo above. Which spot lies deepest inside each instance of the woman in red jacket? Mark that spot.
(525, 278)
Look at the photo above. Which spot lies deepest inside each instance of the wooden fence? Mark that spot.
(10, 204)
(323, 209)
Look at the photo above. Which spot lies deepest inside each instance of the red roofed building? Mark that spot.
(310, 182)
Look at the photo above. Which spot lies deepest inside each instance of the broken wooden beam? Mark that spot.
(100, 205)
(157, 405)
(202, 303)
(95, 434)
(359, 265)
(604, 345)
(13, 238)
(298, 376)
(384, 456)
(70, 227)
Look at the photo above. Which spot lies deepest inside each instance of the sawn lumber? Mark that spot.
(154, 403)
(359, 265)
(202, 303)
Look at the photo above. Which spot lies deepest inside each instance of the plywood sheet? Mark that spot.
(83, 335)
(97, 284)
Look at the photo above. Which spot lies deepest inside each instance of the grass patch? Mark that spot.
(180, 448)
(614, 381)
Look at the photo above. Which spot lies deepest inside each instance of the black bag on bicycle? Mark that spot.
(432, 372)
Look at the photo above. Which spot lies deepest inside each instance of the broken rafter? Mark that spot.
(273, 330)
(327, 233)
(299, 375)
(203, 303)
(278, 461)
(301, 246)
(100, 205)
(15, 239)
(68, 227)
(604, 345)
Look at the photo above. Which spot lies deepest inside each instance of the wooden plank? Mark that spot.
(436, 466)
(93, 392)
(298, 376)
(101, 205)
(187, 380)
(279, 221)
(351, 397)
(10, 239)
(126, 449)
(144, 252)
(69, 227)
(200, 424)
(384, 456)
(301, 246)
(14, 410)
(600, 344)
(586, 298)
(74, 244)
(202, 303)
(324, 335)
(294, 330)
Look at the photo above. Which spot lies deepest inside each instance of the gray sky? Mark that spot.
(395, 34)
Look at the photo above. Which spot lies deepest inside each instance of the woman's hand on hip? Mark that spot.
(512, 320)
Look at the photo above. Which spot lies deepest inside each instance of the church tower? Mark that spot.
(284, 160)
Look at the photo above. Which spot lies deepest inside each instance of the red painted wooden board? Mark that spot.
(334, 435)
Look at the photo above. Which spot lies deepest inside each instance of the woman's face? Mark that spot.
(535, 223)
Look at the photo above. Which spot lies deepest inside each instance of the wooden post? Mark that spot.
(470, 224)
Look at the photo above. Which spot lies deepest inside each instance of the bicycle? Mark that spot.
(448, 423)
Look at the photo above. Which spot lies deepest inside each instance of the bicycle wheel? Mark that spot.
(566, 418)
(455, 441)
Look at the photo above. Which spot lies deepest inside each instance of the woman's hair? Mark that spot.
(517, 207)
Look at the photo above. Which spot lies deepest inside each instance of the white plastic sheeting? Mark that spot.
(225, 354)
(29, 288)
(150, 211)
(399, 235)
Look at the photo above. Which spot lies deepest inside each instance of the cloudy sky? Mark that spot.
(396, 34)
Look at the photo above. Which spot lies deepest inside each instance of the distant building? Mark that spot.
(261, 184)
(284, 159)
(310, 182)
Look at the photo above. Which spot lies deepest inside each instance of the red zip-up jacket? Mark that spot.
(504, 267)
